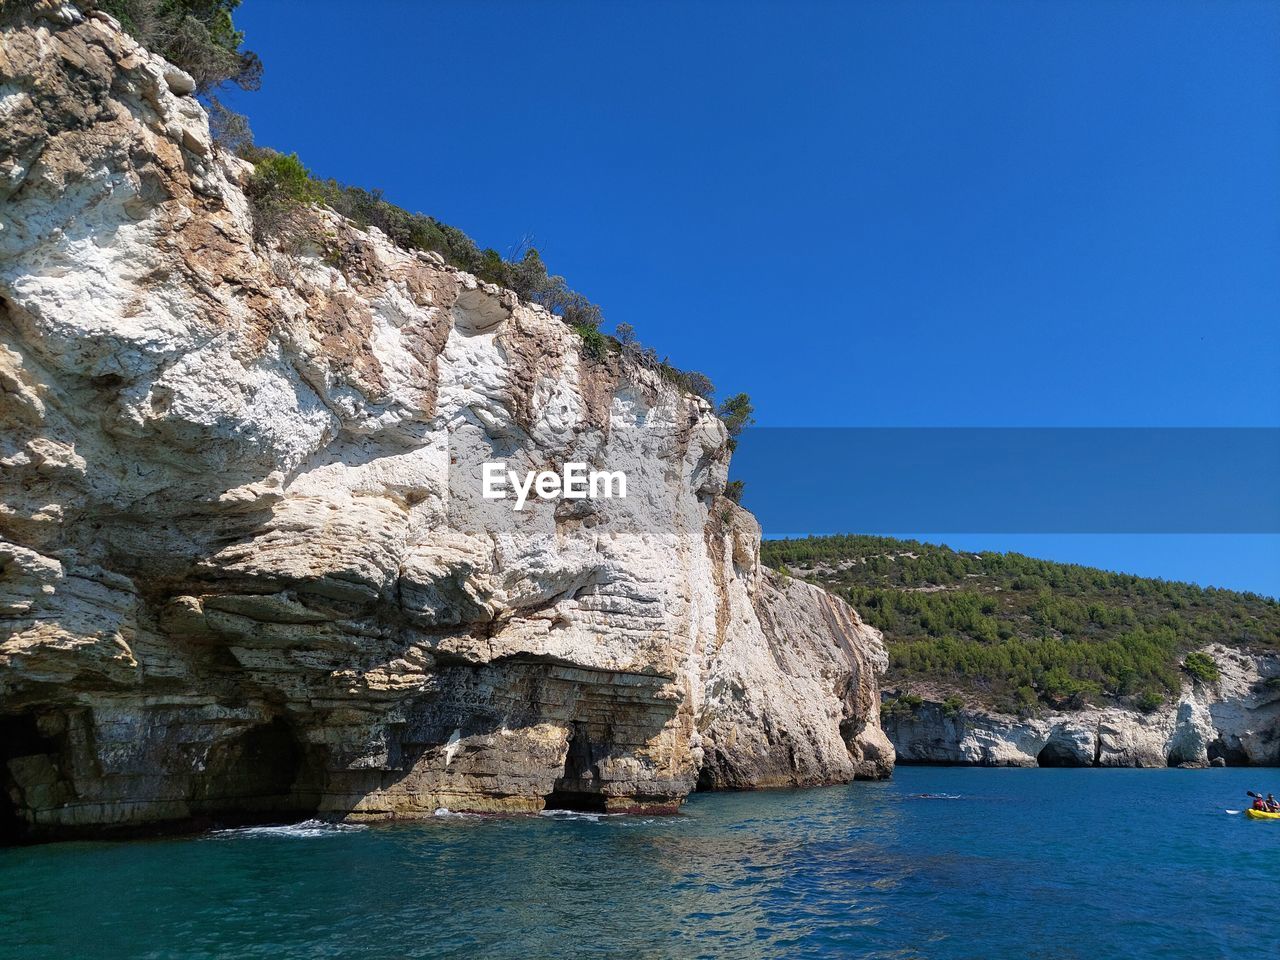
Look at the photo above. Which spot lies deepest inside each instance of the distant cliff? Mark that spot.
(246, 569)
(1232, 721)
(1005, 659)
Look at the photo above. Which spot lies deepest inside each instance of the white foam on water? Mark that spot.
(577, 815)
(936, 796)
(304, 830)
(444, 813)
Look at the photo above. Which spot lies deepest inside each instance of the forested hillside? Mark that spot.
(1013, 632)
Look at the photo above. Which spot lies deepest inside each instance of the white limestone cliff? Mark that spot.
(1235, 721)
(245, 567)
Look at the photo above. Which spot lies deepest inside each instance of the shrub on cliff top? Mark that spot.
(700, 384)
(279, 186)
(736, 412)
(594, 343)
(1149, 700)
(901, 707)
(199, 37)
(1202, 666)
(281, 180)
(196, 35)
(281, 183)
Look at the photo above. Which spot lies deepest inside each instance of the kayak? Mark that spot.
(1261, 815)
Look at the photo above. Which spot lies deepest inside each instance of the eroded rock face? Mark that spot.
(245, 565)
(1235, 721)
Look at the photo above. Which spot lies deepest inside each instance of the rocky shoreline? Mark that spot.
(1234, 721)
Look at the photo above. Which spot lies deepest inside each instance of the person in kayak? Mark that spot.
(1273, 805)
(1259, 803)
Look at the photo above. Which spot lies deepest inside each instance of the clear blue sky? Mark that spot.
(875, 213)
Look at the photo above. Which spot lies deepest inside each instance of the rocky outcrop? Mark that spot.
(1234, 721)
(246, 568)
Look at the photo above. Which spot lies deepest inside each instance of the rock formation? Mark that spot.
(1234, 721)
(245, 566)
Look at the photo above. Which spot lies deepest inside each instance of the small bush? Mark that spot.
(901, 707)
(572, 307)
(594, 343)
(736, 413)
(733, 490)
(700, 384)
(952, 706)
(1202, 666)
(282, 176)
(230, 130)
(1058, 685)
(1022, 702)
(1148, 701)
(279, 186)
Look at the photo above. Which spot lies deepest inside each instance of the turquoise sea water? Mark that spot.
(938, 863)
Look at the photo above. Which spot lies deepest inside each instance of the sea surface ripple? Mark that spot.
(938, 863)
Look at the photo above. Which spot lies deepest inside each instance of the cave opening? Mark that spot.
(1231, 756)
(32, 775)
(1058, 755)
(706, 778)
(578, 787)
(11, 822)
(265, 773)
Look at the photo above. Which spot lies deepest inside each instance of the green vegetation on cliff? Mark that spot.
(1014, 632)
(196, 35)
(282, 185)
